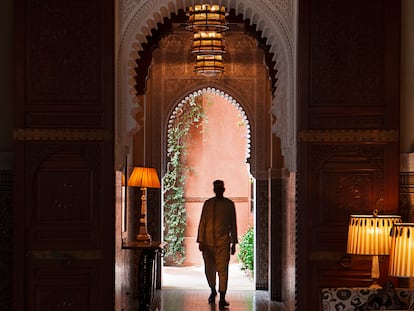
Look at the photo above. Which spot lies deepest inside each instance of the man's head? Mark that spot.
(218, 187)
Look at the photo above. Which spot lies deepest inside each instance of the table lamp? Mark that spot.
(402, 250)
(144, 177)
(402, 253)
(370, 235)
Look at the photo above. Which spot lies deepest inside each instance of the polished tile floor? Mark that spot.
(196, 300)
(185, 289)
(193, 278)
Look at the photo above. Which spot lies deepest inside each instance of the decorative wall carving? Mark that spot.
(262, 235)
(275, 19)
(59, 119)
(62, 134)
(277, 227)
(250, 86)
(234, 103)
(407, 187)
(167, 90)
(66, 195)
(51, 286)
(344, 178)
(407, 195)
(64, 51)
(344, 193)
(349, 135)
(63, 199)
(342, 51)
(345, 120)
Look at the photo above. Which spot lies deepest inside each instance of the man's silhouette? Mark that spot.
(217, 238)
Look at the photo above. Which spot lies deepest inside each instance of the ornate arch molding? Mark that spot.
(228, 98)
(275, 19)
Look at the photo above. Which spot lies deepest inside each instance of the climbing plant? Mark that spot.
(187, 115)
(246, 252)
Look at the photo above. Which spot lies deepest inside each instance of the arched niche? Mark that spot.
(275, 22)
(226, 97)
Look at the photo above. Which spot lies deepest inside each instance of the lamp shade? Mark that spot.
(208, 43)
(205, 17)
(209, 65)
(370, 234)
(402, 250)
(145, 177)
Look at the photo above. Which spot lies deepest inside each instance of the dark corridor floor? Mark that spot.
(196, 300)
(185, 289)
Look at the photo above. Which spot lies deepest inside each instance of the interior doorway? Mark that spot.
(214, 143)
(158, 78)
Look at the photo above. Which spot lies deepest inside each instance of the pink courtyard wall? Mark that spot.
(218, 150)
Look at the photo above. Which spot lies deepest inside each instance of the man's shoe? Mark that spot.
(212, 298)
(223, 304)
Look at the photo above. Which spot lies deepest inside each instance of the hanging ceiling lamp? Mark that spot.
(205, 17)
(209, 65)
(207, 22)
(208, 43)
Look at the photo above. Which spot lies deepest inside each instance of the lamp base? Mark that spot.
(375, 285)
(375, 273)
(144, 238)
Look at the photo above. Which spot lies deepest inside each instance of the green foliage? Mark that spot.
(246, 251)
(185, 117)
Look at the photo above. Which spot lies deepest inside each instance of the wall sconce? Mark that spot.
(144, 177)
(370, 235)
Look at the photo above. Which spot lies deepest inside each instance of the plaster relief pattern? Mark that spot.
(362, 176)
(176, 51)
(240, 42)
(275, 19)
(248, 85)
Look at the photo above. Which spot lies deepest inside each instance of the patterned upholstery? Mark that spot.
(353, 299)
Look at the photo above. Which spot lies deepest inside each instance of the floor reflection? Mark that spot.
(186, 300)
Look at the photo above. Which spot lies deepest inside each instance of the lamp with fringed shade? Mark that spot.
(370, 235)
(144, 177)
(402, 251)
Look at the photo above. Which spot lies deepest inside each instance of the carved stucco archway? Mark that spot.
(276, 19)
(191, 193)
(225, 96)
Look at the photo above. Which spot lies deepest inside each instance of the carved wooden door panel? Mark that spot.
(348, 140)
(62, 236)
(64, 191)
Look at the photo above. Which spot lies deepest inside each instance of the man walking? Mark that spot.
(217, 238)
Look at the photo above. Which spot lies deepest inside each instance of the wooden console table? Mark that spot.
(147, 254)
